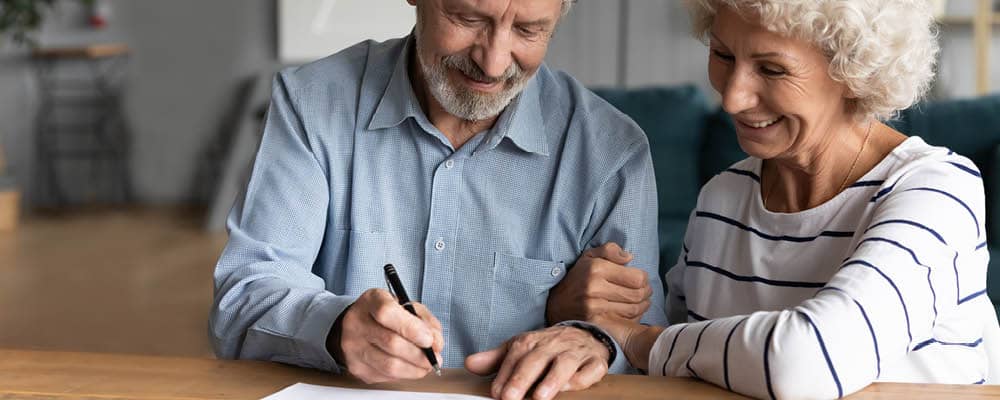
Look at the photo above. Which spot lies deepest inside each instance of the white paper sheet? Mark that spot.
(302, 391)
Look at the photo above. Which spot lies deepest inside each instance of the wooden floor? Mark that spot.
(119, 281)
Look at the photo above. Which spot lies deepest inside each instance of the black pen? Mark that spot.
(396, 286)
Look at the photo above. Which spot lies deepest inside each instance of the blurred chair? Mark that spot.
(82, 141)
(212, 161)
(237, 149)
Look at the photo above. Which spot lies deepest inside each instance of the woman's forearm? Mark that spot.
(638, 342)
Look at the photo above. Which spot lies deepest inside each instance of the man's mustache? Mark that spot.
(471, 69)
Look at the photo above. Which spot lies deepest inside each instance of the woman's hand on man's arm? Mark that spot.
(600, 286)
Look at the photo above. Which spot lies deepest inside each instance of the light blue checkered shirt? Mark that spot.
(351, 176)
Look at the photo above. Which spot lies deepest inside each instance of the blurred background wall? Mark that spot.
(189, 57)
(137, 277)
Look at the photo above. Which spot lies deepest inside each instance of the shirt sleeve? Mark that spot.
(921, 256)
(268, 304)
(676, 302)
(626, 213)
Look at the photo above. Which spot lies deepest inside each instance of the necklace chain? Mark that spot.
(850, 171)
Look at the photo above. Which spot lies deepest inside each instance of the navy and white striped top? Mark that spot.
(884, 282)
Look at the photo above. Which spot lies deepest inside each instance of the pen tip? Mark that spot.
(437, 370)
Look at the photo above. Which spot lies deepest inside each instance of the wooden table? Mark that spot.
(60, 375)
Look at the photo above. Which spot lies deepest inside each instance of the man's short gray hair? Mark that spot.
(884, 51)
(566, 5)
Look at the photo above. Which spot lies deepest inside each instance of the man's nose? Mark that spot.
(494, 52)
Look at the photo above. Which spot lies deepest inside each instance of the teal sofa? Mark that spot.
(691, 140)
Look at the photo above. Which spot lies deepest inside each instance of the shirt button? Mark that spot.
(439, 245)
(556, 271)
(448, 164)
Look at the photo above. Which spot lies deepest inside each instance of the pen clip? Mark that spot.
(389, 286)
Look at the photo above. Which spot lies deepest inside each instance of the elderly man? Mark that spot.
(458, 156)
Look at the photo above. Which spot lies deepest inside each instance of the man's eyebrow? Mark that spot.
(538, 22)
(463, 8)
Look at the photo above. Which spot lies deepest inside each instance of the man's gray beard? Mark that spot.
(466, 103)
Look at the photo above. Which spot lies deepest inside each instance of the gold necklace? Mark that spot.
(857, 157)
(850, 171)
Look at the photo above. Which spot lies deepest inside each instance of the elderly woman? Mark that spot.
(841, 252)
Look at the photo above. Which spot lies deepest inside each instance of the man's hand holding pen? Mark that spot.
(380, 341)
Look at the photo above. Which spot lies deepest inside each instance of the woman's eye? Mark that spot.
(771, 71)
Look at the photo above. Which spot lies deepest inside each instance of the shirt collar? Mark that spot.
(521, 121)
(398, 102)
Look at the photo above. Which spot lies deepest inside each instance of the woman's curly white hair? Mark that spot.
(884, 51)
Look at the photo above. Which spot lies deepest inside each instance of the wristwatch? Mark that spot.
(598, 334)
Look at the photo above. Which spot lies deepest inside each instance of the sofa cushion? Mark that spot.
(671, 118)
(7, 182)
(671, 232)
(991, 184)
(970, 127)
(719, 149)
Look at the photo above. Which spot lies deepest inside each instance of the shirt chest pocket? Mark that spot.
(520, 291)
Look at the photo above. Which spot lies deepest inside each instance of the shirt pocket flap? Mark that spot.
(530, 272)
(520, 294)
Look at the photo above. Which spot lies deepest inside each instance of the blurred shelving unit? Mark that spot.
(982, 21)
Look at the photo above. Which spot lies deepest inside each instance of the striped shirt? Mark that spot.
(884, 282)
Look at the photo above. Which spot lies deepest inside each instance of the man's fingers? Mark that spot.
(516, 348)
(549, 357)
(395, 318)
(562, 369)
(486, 362)
(382, 340)
(629, 277)
(392, 367)
(610, 251)
(397, 346)
(623, 310)
(525, 372)
(435, 325)
(640, 309)
(590, 373)
(619, 294)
